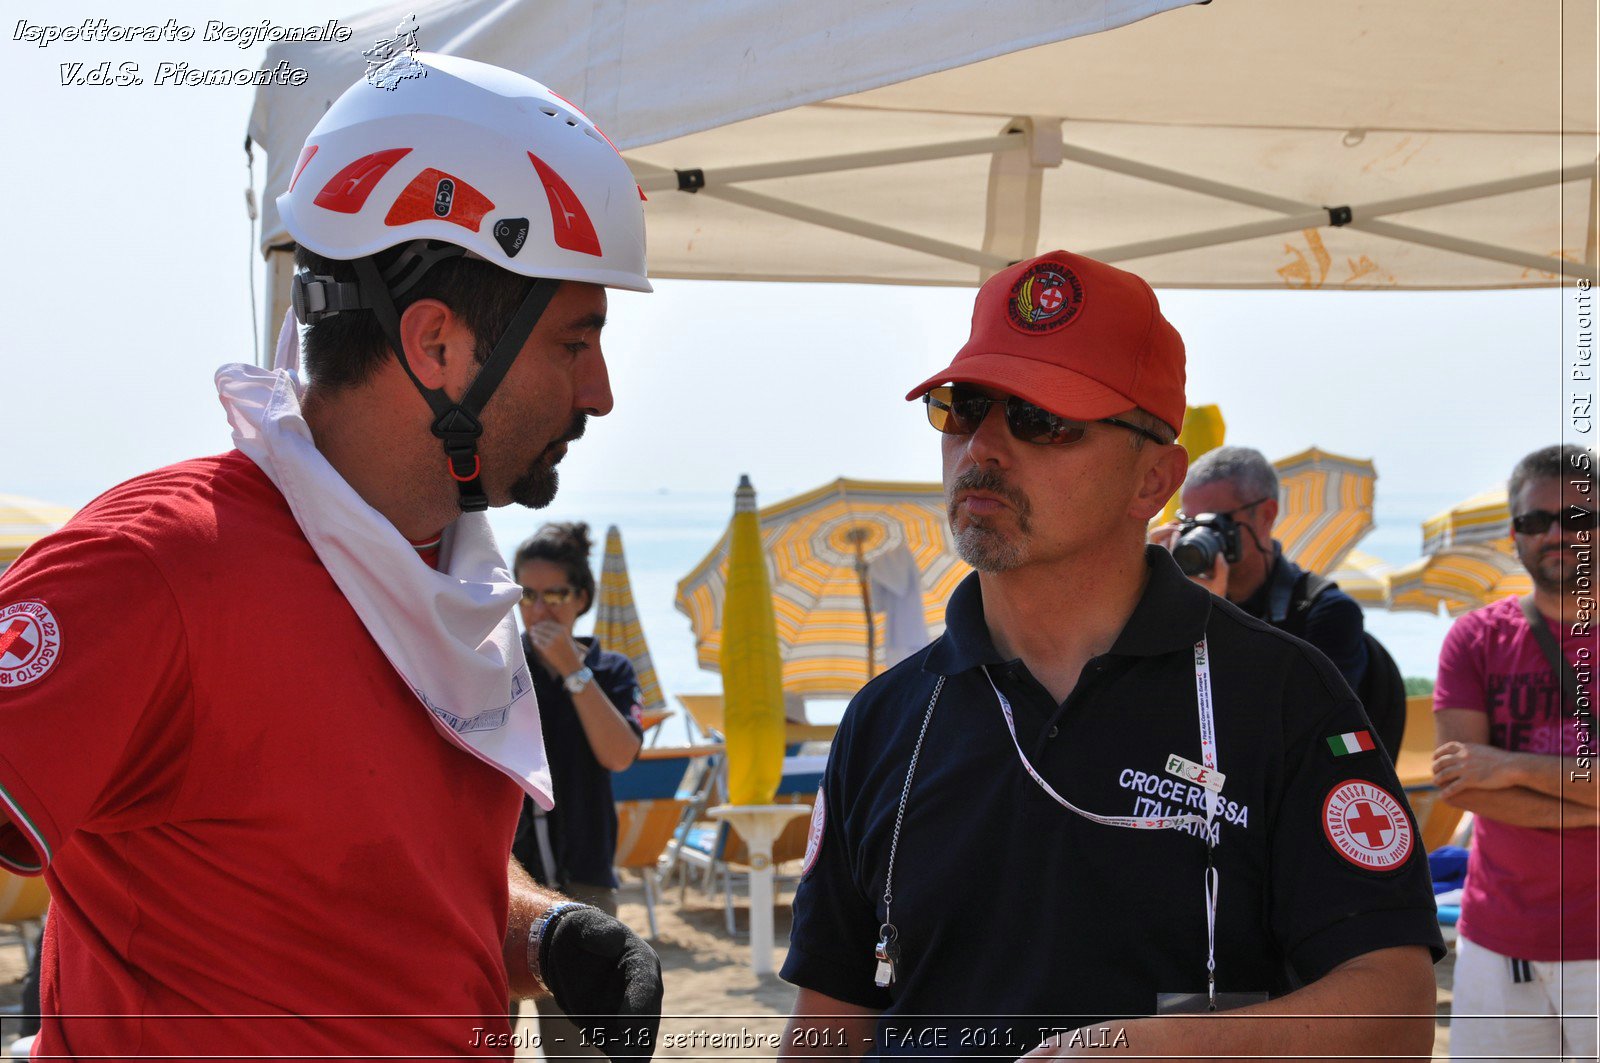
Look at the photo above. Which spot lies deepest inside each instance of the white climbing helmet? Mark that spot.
(471, 155)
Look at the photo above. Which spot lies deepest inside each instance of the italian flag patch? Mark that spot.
(1349, 742)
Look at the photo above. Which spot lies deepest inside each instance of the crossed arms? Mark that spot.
(1522, 789)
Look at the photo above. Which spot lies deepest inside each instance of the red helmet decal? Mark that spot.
(573, 229)
(436, 195)
(348, 191)
(299, 167)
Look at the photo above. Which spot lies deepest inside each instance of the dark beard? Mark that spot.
(536, 488)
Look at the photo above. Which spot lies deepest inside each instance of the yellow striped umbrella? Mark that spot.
(752, 673)
(616, 620)
(1482, 520)
(23, 522)
(1364, 578)
(1459, 579)
(1324, 507)
(811, 545)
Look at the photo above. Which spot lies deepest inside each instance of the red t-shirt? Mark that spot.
(1531, 892)
(243, 808)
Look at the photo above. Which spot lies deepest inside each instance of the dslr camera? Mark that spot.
(1202, 538)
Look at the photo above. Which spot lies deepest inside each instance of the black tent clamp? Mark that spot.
(456, 424)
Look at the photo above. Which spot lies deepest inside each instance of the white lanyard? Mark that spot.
(1208, 758)
(887, 952)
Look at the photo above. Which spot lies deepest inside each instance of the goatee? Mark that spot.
(536, 488)
(984, 547)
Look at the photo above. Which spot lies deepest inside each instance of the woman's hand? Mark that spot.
(556, 648)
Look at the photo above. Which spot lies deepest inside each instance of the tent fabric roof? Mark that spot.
(1135, 145)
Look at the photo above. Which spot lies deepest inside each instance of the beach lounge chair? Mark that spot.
(1436, 820)
(719, 851)
(650, 810)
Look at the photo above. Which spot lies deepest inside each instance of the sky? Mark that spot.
(129, 276)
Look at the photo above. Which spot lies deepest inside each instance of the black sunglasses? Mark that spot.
(958, 411)
(1538, 521)
(552, 597)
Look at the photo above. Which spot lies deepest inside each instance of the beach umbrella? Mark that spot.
(23, 522)
(752, 677)
(1482, 520)
(1364, 578)
(817, 545)
(1324, 507)
(1457, 579)
(616, 621)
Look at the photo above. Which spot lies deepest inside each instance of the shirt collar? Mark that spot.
(1171, 615)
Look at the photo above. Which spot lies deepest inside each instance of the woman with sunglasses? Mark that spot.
(588, 711)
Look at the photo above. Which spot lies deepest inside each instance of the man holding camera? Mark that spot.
(1223, 540)
(1102, 792)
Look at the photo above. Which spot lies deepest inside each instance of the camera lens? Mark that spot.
(1196, 550)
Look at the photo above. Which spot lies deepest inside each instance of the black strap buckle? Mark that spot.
(317, 295)
(460, 432)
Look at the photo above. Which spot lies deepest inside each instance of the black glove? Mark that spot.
(606, 979)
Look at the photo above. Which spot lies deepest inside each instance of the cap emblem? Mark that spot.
(1048, 296)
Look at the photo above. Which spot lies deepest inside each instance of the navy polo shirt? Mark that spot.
(1017, 915)
(583, 824)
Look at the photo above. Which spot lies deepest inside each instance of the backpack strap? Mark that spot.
(1552, 653)
(1281, 583)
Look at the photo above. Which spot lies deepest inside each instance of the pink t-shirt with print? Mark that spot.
(1531, 892)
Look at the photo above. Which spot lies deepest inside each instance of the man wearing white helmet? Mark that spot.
(274, 795)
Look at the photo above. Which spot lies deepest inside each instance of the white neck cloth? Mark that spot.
(449, 633)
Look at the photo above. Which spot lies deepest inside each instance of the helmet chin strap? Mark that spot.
(458, 424)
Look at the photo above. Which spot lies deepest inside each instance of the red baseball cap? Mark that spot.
(1078, 337)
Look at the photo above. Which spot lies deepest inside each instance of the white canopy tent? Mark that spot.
(1234, 144)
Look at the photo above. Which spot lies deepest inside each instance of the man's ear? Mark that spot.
(1162, 469)
(1269, 512)
(438, 345)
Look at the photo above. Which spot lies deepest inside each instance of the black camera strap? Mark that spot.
(1552, 652)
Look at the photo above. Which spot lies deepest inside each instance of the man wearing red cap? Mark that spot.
(1104, 803)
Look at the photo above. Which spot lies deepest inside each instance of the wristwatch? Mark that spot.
(578, 680)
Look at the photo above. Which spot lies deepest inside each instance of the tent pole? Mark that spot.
(857, 227)
(1542, 263)
(1211, 237)
(1463, 193)
(659, 179)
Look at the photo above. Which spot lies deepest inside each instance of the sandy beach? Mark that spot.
(715, 1007)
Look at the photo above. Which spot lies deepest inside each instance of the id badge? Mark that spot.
(1200, 1003)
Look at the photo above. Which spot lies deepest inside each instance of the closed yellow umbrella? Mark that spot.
(616, 620)
(24, 521)
(1203, 430)
(1459, 579)
(752, 671)
(817, 545)
(1324, 506)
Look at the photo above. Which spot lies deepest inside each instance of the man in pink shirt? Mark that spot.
(1516, 748)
